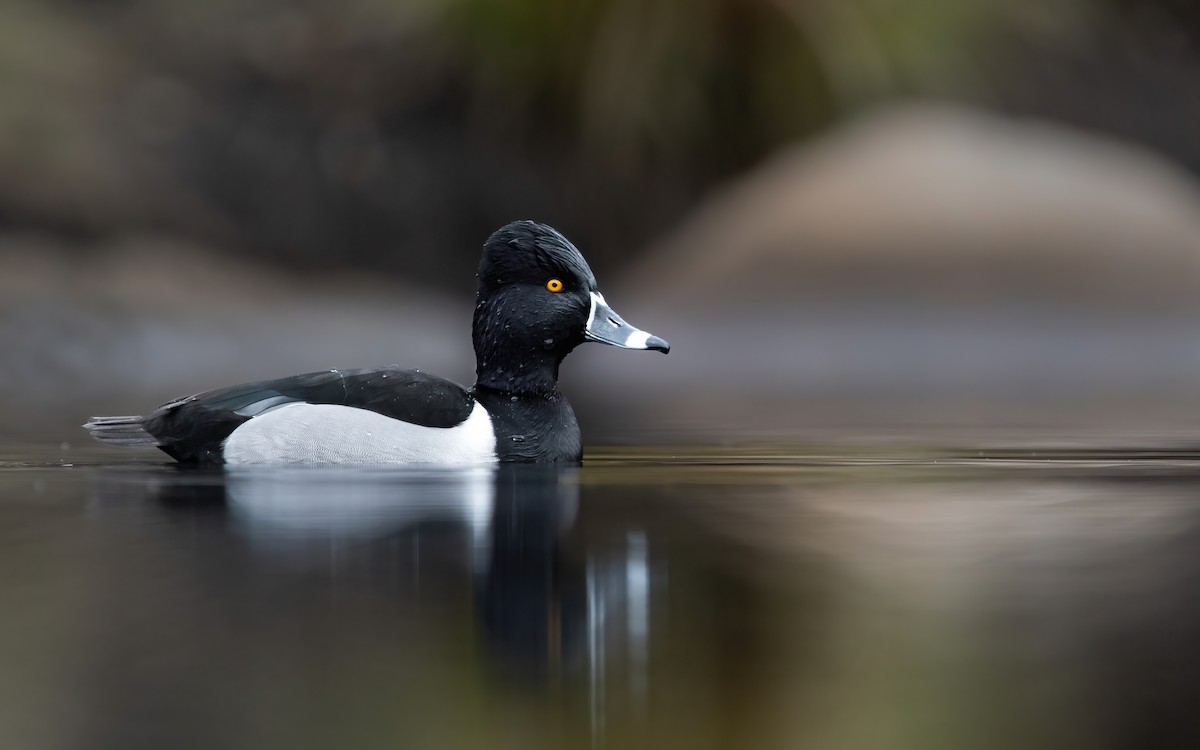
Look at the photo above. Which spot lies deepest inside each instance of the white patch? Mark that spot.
(300, 433)
(637, 340)
(597, 297)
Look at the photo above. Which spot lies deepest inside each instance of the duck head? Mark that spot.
(537, 300)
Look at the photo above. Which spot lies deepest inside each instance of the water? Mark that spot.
(766, 597)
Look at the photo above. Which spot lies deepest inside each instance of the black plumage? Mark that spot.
(193, 429)
(521, 331)
(535, 302)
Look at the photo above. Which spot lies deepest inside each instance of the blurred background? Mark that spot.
(858, 220)
(894, 214)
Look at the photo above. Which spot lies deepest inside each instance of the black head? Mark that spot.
(537, 300)
(525, 252)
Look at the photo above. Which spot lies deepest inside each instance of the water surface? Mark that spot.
(770, 596)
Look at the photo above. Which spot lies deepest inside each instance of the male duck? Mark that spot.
(537, 301)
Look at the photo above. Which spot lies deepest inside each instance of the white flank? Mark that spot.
(328, 434)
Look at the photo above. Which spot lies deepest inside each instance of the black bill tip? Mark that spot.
(654, 342)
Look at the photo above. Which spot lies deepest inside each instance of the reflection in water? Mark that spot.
(611, 587)
(529, 599)
(984, 603)
(287, 510)
(541, 612)
(275, 504)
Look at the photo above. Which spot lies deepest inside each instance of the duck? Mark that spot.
(536, 301)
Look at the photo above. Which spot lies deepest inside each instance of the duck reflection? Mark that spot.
(543, 601)
(532, 601)
(291, 512)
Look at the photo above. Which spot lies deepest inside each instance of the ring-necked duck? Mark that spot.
(537, 300)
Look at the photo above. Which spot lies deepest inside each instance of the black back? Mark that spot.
(193, 429)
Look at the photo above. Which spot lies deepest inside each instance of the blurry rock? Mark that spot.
(925, 266)
(942, 202)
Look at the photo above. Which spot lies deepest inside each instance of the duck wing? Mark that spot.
(192, 429)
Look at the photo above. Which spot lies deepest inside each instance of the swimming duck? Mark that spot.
(536, 301)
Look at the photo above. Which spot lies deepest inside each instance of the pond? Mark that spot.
(748, 596)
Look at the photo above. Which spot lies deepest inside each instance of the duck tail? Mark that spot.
(128, 431)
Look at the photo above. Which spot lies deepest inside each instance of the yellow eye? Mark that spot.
(554, 285)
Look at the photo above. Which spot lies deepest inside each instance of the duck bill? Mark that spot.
(606, 327)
